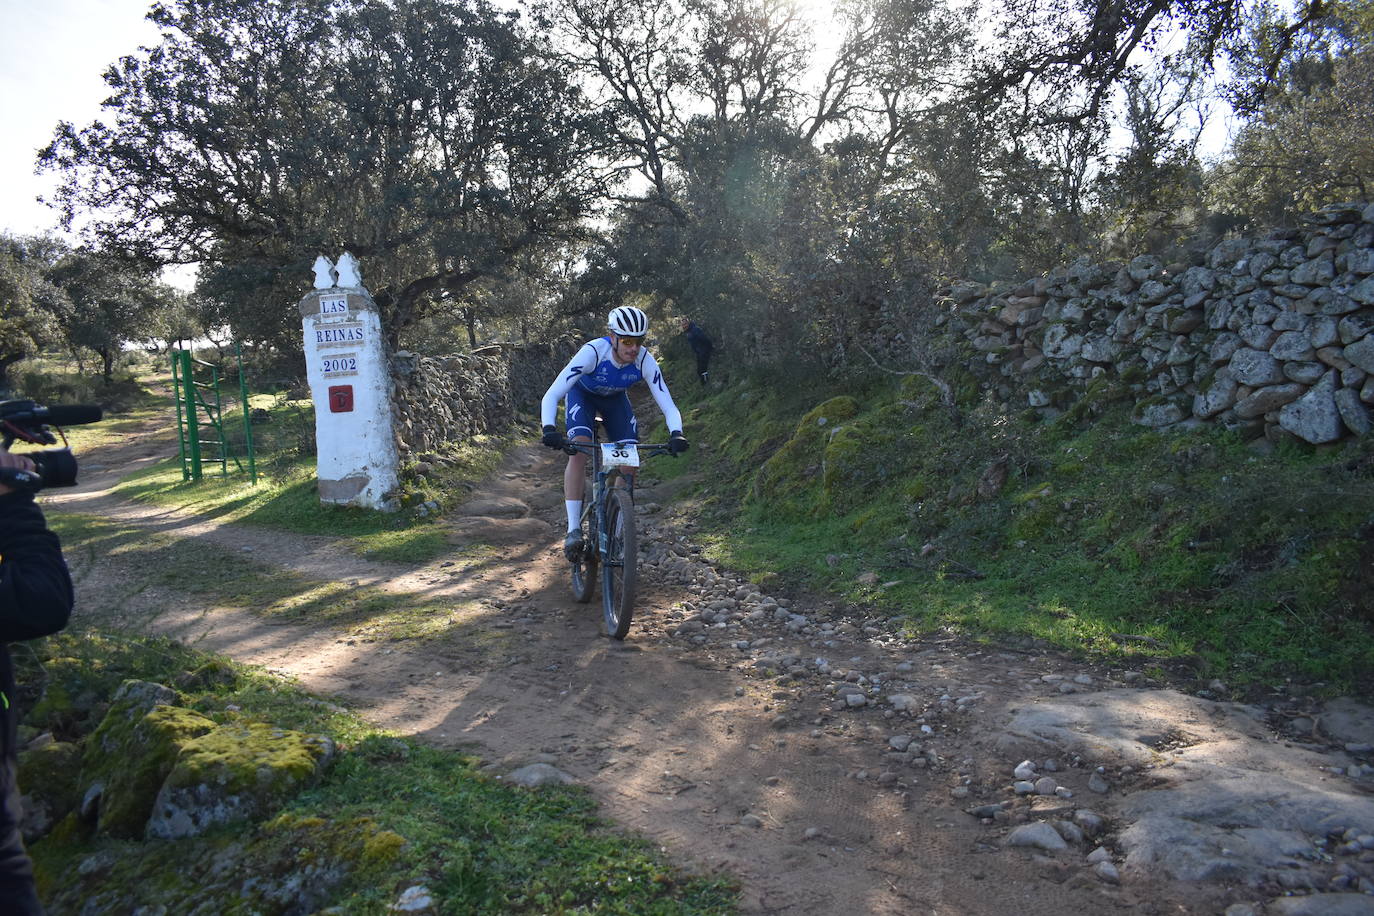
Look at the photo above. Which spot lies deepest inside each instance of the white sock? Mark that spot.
(574, 513)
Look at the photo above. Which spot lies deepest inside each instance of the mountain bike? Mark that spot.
(608, 529)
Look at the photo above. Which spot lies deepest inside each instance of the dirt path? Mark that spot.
(721, 728)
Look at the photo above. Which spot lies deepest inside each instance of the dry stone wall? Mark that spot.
(448, 399)
(1271, 336)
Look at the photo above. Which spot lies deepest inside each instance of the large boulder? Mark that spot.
(1145, 267)
(1099, 348)
(131, 753)
(289, 864)
(1361, 261)
(235, 772)
(49, 776)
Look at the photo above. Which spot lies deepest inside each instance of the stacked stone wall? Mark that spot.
(447, 399)
(1271, 336)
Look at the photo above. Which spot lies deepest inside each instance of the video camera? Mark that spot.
(28, 421)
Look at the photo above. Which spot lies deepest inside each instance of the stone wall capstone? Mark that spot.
(1270, 336)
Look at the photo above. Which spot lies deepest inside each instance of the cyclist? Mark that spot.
(594, 382)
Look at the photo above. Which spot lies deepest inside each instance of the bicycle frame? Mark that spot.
(603, 479)
(610, 513)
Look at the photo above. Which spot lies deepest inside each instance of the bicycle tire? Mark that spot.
(584, 570)
(621, 567)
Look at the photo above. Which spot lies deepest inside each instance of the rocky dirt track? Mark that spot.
(829, 764)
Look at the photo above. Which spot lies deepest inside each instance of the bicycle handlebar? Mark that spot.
(648, 451)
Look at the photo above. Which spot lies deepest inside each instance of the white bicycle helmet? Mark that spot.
(627, 319)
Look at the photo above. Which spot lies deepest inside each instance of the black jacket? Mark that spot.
(35, 596)
(35, 600)
(696, 338)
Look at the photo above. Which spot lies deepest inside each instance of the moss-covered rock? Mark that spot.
(290, 864)
(215, 674)
(235, 772)
(1159, 411)
(72, 697)
(916, 488)
(1035, 520)
(857, 459)
(333, 851)
(784, 480)
(49, 777)
(827, 414)
(843, 455)
(132, 751)
(1099, 396)
(919, 389)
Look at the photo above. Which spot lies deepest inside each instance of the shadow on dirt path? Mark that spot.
(829, 764)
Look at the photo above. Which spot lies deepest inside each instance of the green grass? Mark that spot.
(415, 545)
(77, 672)
(388, 814)
(288, 502)
(500, 849)
(1106, 538)
(285, 498)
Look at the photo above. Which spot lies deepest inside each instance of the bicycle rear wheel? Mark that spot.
(622, 559)
(584, 570)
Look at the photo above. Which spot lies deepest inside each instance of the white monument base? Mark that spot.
(350, 382)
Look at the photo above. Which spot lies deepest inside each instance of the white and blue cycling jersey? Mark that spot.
(594, 382)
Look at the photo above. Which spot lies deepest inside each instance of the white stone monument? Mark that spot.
(350, 382)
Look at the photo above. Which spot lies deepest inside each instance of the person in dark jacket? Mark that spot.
(701, 345)
(35, 600)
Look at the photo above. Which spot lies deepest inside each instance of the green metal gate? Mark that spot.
(200, 418)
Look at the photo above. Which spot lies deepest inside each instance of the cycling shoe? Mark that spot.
(572, 546)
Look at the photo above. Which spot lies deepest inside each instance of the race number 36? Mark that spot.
(619, 455)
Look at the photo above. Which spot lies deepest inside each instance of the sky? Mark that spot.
(52, 55)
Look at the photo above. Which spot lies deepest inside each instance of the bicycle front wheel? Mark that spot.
(621, 566)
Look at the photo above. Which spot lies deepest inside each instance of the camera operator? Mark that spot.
(35, 600)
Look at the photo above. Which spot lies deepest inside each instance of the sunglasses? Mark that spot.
(631, 338)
